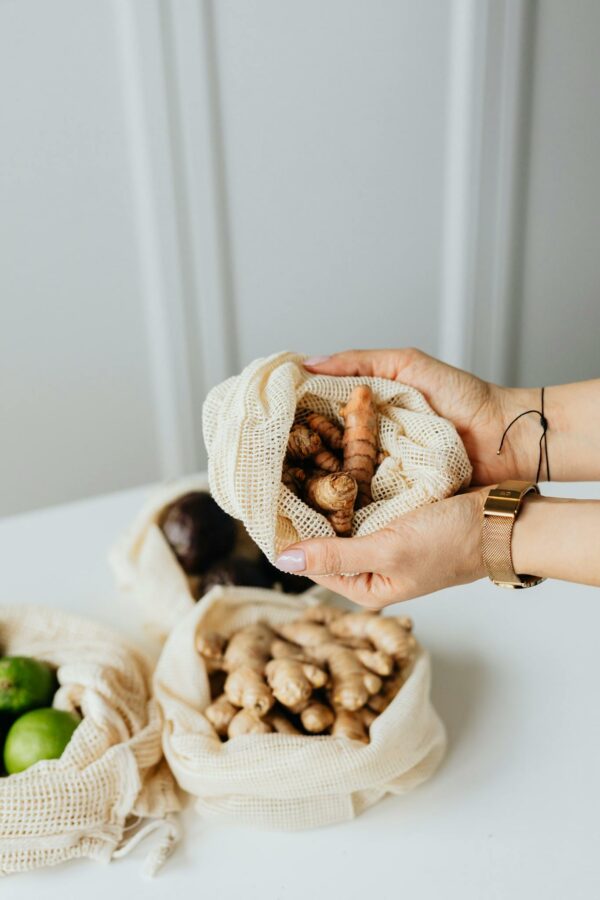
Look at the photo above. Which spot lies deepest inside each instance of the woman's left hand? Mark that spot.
(428, 549)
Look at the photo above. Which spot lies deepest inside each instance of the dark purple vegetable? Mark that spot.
(235, 571)
(198, 531)
(290, 584)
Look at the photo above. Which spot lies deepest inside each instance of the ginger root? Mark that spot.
(360, 440)
(245, 659)
(317, 717)
(293, 682)
(220, 713)
(384, 632)
(351, 725)
(247, 722)
(327, 672)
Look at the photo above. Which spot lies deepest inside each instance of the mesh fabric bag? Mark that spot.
(246, 422)
(147, 569)
(111, 773)
(277, 781)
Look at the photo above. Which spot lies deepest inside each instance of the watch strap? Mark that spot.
(500, 511)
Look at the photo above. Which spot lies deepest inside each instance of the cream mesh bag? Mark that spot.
(247, 420)
(147, 570)
(112, 774)
(278, 781)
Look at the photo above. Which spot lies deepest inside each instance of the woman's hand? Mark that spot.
(425, 550)
(480, 411)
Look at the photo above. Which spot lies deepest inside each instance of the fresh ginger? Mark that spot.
(293, 682)
(350, 724)
(245, 659)
(329, 432)
(360, 440)
(327, 672)
(247, 722)
(220, 713)
(386, 633)
(335, 495)
(317, 717)
(322, 613)
(280, 723)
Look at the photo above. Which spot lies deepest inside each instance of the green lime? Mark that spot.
(39, 734)
(25, 683)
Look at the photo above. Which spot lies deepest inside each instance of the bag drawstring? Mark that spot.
(171, 832)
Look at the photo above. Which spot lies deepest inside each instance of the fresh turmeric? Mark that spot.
(329, 432)
(303, 443)
(335, 495)
(360, 440)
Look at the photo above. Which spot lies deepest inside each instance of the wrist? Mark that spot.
(520, 453)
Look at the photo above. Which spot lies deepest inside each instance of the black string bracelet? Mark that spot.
(543, 437)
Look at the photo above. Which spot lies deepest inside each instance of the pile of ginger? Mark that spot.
(328, 672)
(330, 467)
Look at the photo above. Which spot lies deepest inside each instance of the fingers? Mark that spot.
(335, 556)
(390, 364)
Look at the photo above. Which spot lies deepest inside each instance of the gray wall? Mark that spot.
(187, 185)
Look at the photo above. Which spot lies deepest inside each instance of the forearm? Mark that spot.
(558, 538)
(573, 414)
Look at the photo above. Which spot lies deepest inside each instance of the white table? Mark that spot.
(512, 813)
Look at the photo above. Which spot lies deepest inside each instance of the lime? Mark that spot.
(38, 734)
(25, 683)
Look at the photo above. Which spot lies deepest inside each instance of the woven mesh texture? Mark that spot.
(278, 781)
(247, 420)
(147, 570)
(113, 766)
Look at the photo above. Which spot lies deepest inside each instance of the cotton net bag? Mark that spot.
(111, 786)
(279, 781)
(147, 570)
(246, 422)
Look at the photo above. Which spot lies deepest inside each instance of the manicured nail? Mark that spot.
(316, 360)
(291, 561)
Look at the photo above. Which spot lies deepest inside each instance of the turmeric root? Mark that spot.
(386, 633)
(247, 722)
(317, 717)
(303, 443)
(360, 440)
(381, 455)
(328, 431)
(350, 725)
(220, 713)
(335, 495)
(326, 460)
(293, 477)
(293, 682)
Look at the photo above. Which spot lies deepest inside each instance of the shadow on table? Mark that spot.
(460, 693)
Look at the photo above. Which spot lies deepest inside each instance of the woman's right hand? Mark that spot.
(479, 410)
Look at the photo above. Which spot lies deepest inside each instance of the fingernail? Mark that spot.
(316, 360)
(291, 561)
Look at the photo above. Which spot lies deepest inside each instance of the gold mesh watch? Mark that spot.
(500, 510)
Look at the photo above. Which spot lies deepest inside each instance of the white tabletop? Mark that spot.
(512, 813)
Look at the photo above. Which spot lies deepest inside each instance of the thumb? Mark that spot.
(334, 556)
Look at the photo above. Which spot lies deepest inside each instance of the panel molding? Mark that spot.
(488, 90)
(172, 109)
